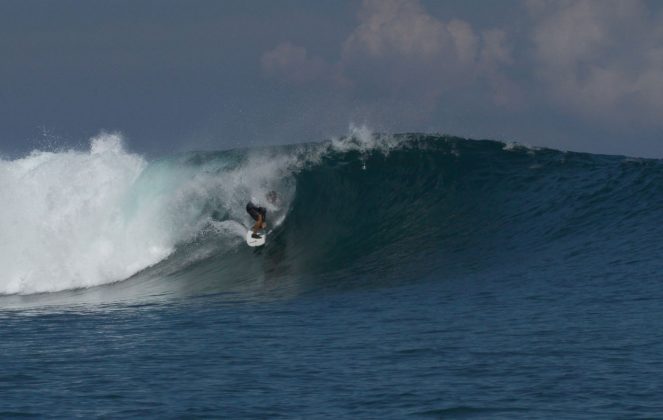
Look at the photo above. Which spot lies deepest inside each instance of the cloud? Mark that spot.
(601, 59)
(403, 50)
(401, 59)
(399, 53)
(584, 67)
(292, 63)
(398, 27)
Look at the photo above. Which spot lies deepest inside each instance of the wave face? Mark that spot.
(364, 208)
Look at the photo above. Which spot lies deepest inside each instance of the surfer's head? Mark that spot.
(272, 197)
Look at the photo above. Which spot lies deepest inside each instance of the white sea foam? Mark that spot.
(77, 219)
(363, 139)
(358, 139)
(513, 146)
(60, 222)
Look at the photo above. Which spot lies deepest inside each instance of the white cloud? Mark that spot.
(600, 58)
(398, 27)
(465, 41)
(293, 64)
(399, 51)
(402, 58)
(599, 62)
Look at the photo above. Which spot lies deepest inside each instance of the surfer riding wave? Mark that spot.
(259, 214)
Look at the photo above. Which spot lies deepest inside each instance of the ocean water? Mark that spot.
(404, 275)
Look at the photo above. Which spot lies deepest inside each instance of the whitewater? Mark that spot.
(77, 219)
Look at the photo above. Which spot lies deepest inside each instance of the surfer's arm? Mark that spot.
(263, 217)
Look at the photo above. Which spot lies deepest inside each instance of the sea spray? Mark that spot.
(61, 220)
(75, 219)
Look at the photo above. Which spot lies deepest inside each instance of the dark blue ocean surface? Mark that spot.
(408, 276)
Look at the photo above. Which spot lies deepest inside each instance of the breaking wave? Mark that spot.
(367, 206)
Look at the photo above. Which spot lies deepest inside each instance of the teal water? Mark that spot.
(404, 276)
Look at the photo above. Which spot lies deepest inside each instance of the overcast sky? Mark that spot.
(196, 74)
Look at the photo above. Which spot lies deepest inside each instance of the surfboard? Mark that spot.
(250, 241)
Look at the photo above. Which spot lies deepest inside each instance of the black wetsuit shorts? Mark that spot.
(255, 211)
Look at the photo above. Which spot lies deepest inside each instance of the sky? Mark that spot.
(173, 76)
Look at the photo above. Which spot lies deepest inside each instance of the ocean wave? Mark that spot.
(376, 204)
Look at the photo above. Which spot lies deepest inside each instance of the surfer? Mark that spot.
(259, 214)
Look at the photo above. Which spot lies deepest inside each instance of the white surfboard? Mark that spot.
(251, 241)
